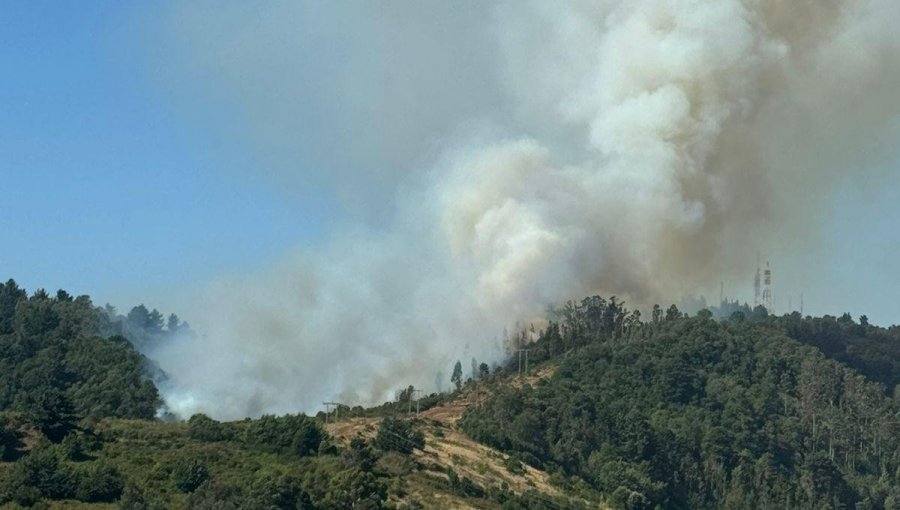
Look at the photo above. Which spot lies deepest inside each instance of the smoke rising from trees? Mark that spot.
(662, 143)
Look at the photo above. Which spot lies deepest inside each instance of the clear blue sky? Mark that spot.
(105, 187)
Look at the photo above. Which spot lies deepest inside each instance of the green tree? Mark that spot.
(289, 434)
(41, 473)
(456, 377)
(215, 496)
(657, 313)
(10, 296)
(189, 474)
(204, 428)
(276, 492)
(99, 483)
(398, 436)
(10, 441)
(672, 313)
(360, 454)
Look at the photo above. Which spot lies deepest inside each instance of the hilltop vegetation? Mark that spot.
(55, 368)
(755, 411)
(77, 423)
(696, 413)
(78, 430)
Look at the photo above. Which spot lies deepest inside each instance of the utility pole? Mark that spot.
(413, 394)
(526, 360)
(337, 410)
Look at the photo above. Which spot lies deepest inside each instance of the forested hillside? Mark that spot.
(68, 379)
(696, 413)
(78, 430)
(754, 411)
(56, 368)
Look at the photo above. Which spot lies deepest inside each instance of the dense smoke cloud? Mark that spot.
(668, 141)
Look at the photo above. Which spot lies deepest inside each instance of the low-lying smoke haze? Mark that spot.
(516, 156)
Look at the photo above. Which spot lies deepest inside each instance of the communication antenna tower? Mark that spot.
(756, 285)
(767, 288)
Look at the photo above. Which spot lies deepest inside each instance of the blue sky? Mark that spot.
(106, 187)
(140, 158)
(147, 151)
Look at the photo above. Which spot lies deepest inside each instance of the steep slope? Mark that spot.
(447, 449)
(694, 413)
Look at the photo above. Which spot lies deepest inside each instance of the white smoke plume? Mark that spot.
(669, 140)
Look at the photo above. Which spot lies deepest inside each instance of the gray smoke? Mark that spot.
(668, 140)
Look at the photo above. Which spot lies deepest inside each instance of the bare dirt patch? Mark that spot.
(447, 447)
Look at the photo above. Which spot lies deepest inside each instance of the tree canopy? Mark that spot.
(695, 413)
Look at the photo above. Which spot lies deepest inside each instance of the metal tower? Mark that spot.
(767, 288)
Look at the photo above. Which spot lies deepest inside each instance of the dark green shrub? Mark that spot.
(41, 472)
(278, 492)
(204, 428)
(133, 498)
(351, 488)
(10, 441)
(464, 486)
(515, 466)
(289, 434)
(398, 436)
(188, 475)
(213, 496)
(359, 454)
(100, 483)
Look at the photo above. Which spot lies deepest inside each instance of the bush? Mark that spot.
(515, 466)
(352, 488)
(40, 474)
(133, 498)
(464, 486)
(76, 446)
(399, 436)
(278, 492)
(100, 483)
(289, 434)
(203, 428)
(359, 454)
(10, 441)
(188, 475)
(213, 496)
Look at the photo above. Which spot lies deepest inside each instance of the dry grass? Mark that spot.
(446, 446)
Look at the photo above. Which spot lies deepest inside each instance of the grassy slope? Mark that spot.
(448, 447)
(144, 450)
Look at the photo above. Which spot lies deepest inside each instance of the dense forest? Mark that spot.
(773, 412)
(56, 367)
(749, 411)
